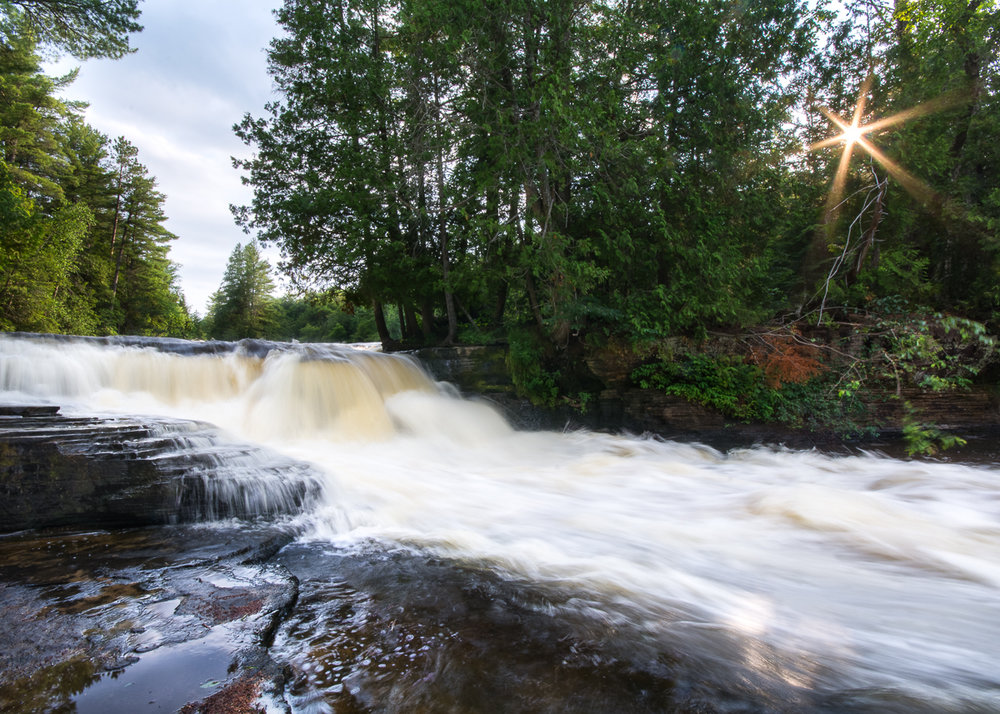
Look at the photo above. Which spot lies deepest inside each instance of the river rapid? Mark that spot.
(449, 556)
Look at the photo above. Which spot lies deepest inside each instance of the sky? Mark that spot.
(200, 65)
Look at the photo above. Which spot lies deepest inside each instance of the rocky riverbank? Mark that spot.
(90, 472)
(110, 602)
(148, 619)
(618, 403)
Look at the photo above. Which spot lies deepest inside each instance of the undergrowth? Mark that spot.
(747, 392)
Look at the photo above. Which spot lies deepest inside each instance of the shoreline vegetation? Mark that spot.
(923, 380)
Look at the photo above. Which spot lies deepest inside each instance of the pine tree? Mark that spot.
(243, 306)
(84, 28)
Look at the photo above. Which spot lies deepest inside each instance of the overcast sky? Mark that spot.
(200, 66)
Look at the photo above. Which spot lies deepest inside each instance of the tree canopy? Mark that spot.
(560, 161)
(84, 28)
(84, 245)
(635, 168)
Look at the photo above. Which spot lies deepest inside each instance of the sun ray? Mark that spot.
(855, 133)
(839, 182)
(930, 107)
(917, 188)
(859, 106)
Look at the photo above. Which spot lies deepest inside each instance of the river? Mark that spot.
(449, 557)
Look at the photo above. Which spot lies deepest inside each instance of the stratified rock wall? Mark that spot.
(109, 473)
(483, 371)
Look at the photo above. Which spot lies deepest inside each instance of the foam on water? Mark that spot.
(822, 572)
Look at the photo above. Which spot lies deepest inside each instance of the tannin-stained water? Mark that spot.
(853, 578)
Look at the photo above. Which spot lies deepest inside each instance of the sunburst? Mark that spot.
(855, 133)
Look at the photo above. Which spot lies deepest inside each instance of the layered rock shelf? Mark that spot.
(620, 405)
(107, 601)
(129, 472)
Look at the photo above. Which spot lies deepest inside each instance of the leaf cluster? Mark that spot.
(83, 28)
(743, 391)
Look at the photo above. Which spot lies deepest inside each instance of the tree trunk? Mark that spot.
(404, 330)
(449, 300)
(114, 224)
(972, 65)
(529, 283)
(529, 279)
(427, 319)
(118, 265)
(412, 325)
(500, 305)
(383, 330)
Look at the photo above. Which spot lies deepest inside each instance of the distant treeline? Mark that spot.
(245, 306)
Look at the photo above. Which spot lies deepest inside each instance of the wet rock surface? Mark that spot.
(398, 631)
(128, 472)
(106, 605)
(151, 619)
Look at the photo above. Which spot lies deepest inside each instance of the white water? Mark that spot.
(826, 573)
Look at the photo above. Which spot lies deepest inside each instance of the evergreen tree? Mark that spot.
(84, 28)
(243, 306)
(83, 241)
(324, 172)
(142, 278)
(30, 119)
(568, 163)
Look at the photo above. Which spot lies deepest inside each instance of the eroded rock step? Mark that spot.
(126, 472)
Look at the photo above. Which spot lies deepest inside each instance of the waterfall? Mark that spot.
(271, 390)
(211, 410)
(799, 571)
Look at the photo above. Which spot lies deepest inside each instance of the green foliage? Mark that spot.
(37, 261)
(927, 238)
(30, 120)
(324, 318)
(741, 391)
(84, 28)
(83, 247)
(922, 439)
(728, 385)
(480, 334)
(568, 165)
(243, 306)
(931, 351)
(527, 360)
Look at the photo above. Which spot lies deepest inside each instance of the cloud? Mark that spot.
(200, 66)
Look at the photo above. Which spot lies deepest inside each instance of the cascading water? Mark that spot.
(796, 580)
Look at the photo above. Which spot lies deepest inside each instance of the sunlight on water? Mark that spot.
(822, 572)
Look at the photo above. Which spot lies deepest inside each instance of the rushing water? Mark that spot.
(791, 580)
